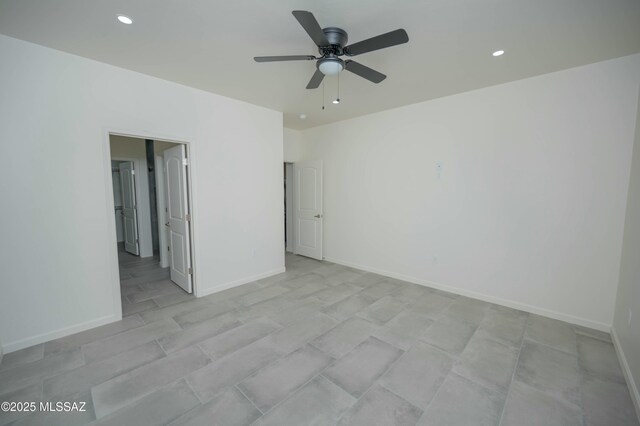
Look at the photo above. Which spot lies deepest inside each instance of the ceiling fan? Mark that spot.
(331, 42)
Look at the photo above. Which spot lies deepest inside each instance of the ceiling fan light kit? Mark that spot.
(332, 43)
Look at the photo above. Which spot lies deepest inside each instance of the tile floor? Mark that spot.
(319, 344)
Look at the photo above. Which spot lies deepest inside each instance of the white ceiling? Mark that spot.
(209, 44)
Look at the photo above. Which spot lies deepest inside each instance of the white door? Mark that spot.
(177, 216)
(308, 206)
(129, 210)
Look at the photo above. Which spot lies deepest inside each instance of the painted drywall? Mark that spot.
(627, 330)
(59, 254)
(292, 145)
(529, 207)
(126, 147)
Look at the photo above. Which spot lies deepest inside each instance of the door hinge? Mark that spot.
(187, 217)
(185, 162)
(133, 172)
(168, 248)
(190, 270)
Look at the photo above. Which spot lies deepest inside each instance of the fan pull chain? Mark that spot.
(323, 95)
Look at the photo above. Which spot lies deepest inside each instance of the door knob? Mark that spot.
(318, 216)
(166, 224)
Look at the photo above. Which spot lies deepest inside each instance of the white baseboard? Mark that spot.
(239, 282)
(56, 334)
(626, 370)
(480, 296)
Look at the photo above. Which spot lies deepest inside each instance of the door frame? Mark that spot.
(111, 248)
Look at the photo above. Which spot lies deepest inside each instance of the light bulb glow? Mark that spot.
(330, 67)
(336, 101)
(125, 19)
(498, 53)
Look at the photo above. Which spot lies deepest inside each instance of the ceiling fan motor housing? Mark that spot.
(337, 38)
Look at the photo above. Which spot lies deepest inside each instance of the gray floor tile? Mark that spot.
(409, 292)
(319, 402)
(130, 387)
(367, 279)
(159, 288)
(336, 293)
(349, 306)
(296, 335)
(208, 382)
(449, 334)
(27, 374)
(488, 363)
(238, 337)
(297, 312)
(359, 369)
(381, 289)
(203, 313)
(382, 310)
(107, 347)
(418, 374)
(83, 378)
(155, 409)
(275, 382)
(231, 408)
(343, 276)
(466, 309)
(607, 403)
(504, 325)
(76, 340)
(549, 370)
(261, 295)
(550, 332)
(381, 407)
(129, 308)
(599, 358)
(23, 356)
(405, 329)
(31, 393)
(565, 374)
(527, 406)
(173, 298)
(431, 304)
(175, 310)
(460, 402)
(197, 332)
(344, 337)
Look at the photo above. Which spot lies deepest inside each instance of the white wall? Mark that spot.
(530, 207)
(58, 254)
(293, 145)
(627, 333)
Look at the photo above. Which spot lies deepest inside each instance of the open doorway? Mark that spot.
(303, 204)
(152, 213)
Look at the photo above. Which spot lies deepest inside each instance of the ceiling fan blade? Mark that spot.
(315, 81)
(364, 71)
(311, 26)
(389, 39)
(284, 58)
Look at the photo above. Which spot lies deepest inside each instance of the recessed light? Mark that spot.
(498, 53)
(337, 101)
(125, 19)
(302, 116)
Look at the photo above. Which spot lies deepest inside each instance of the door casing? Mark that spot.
(111, 250)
